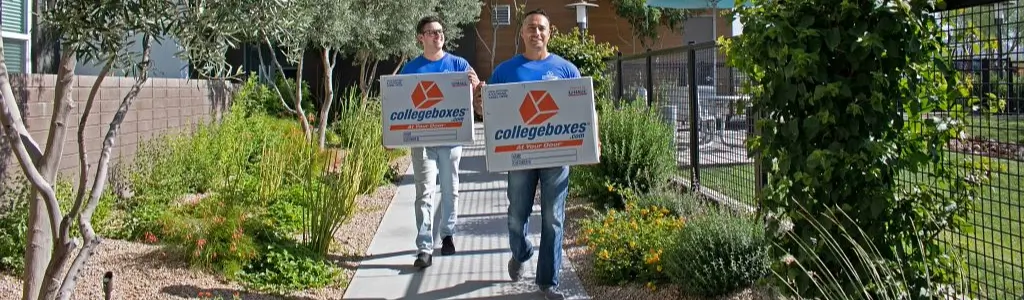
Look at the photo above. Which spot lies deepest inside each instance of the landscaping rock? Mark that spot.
(143, 271)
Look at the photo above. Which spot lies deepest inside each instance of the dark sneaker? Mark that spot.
(515, 269)
(447, 246)
(423, 260)
(550, 293)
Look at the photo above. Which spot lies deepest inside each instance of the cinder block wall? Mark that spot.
(164, 105)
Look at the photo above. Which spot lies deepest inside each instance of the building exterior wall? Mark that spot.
(603, 24)
(163, 106)
(164, 57)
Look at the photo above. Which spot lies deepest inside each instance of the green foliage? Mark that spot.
(361, 123)
(385, 29)
(14, 224)
(629, 244)
(645, 20)
(587, 54)
(637, 152)
(14, 219)
(98, 31)
(856, 95)
(286, 269)
(717, 253)
(211, 233)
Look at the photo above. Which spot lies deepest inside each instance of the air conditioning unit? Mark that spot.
(501, 15)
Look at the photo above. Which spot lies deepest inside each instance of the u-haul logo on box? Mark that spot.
(577, 91)
(425, 96)
(537, 108)
(394, 82)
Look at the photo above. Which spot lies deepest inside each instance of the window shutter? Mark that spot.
(13, 14)
(14, 55)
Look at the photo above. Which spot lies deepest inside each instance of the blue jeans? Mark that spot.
(554, 187)
(430, 164)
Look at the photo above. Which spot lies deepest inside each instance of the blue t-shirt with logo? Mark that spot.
(519, 69)
(447, 63)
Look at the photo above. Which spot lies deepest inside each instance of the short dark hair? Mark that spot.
(426, 20)
(536, 12)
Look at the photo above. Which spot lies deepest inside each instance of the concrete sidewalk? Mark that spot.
(478, 270)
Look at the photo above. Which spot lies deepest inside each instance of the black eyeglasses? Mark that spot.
(432, 32)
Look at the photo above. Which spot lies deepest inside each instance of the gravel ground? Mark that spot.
(577, 210)
(144, 271)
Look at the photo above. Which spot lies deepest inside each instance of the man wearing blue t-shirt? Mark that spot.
(431, 163)
(536, 64)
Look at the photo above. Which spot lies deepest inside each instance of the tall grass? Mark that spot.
(884, 280)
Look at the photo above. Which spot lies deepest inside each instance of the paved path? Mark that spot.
(478, 270)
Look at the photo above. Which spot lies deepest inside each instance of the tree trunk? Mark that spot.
(298, 101)
(276, 65)
(43, 220)
(325, 108)
(89, 237)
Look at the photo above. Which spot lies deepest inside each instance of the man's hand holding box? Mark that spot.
(540, 124)
(422, 110)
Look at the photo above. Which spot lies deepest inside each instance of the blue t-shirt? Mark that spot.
(447, 63)
(519, 69)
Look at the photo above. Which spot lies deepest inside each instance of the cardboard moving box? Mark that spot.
(540, 124)
(421, 110)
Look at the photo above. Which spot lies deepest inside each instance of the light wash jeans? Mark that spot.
(554, 187)
(430, 164)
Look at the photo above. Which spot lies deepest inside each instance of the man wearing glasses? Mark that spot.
(439, 162)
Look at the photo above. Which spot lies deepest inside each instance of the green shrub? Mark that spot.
(628, 244)
(588, 55)
(212, 234)
(13, 224)
(838, 142)
(285, 269)
(637, 152)
(717, 253)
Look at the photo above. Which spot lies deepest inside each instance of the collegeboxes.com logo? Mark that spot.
(425, 96)
(536, 109)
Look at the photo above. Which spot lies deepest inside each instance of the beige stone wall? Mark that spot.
(163, 105)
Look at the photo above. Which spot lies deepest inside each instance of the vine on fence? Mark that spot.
(854, 96)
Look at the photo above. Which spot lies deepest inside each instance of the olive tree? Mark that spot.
(99, 31)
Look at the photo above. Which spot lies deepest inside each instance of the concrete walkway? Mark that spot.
(478, 270)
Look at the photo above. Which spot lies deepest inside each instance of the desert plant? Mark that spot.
(628, 244)
(636, 153)
(718, 252)
(329, 195)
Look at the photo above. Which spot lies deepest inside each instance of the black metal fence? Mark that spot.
(711, 132)
(985, 45)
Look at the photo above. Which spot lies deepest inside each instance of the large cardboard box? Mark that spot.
(422, 110)
(540, 124)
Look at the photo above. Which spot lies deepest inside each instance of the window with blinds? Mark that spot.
(14, 55)
(13, 16)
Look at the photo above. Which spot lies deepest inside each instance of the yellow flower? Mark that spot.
(650, 285)
(632, 244)
(604, 254)
(664, 211)
(659, 268)
(643, 212)
(634, 225)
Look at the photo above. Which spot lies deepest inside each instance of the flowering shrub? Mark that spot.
(211, 235)
(628, 244)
